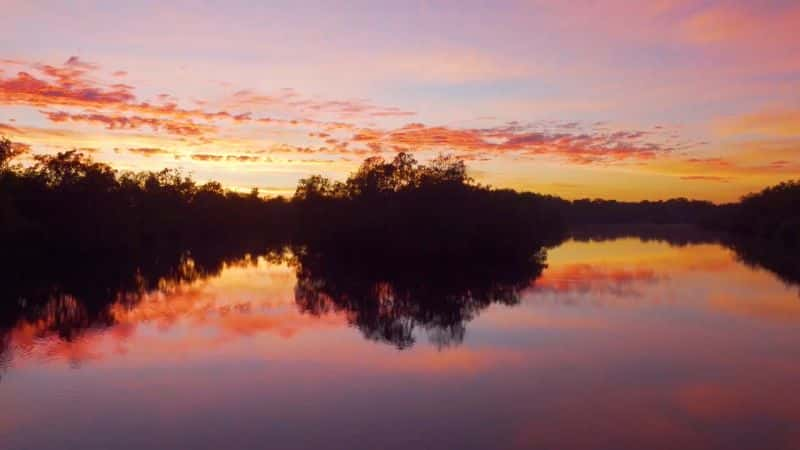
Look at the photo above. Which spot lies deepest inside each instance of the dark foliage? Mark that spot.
(676, 235)
(672, 211)
(69, 204)
(772, 214)
(80, 236)
(398, 246)
(67, 295)
(389, 297)
(408, 210)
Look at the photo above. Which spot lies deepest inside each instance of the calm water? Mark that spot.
(618, 343)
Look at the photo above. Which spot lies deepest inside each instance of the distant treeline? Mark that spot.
(70, 203)
(67, 202)
(772, 214)
(606, 212)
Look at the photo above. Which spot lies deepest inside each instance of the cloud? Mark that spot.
(148, 151)
(243, 158)
(72, 85)
(115, 107)
(706, 178)
(780, 164)
(292, 100)
(238, 158)
(64, 85)
(121, 122)
(8, 128)
(249, 97)
(349, 108)
(206, 157)
(575, 145)
(710, 162)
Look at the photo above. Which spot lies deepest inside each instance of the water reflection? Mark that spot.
(664, 339)
(757, 253)
(387, 299)
(65, 299)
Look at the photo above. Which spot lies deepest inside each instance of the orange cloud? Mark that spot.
(293, 100)
(710, 162)
(231, 158)
(120, 122)
(595, 145)
(72, 85)
(116, 108)
(243, 158)
(67, 86)
(148, 151)
(207, 157)
(8, 128)
(705, 178)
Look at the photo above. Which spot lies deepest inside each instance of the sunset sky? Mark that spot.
(589, 98)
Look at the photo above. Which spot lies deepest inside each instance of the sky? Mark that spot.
(628, 100)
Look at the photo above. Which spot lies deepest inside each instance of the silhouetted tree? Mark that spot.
(67, 202)
(772, 214)
(7, 152)
(435, 209)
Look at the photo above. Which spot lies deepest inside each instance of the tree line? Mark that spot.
(68, 202)
(772, 214)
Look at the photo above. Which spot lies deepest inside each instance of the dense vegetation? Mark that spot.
(70, 204)
(772, 214)
(407, 209)
(398, 247)
(672, 211)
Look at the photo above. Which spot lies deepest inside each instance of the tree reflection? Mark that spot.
(769, 255)
(389, 297)
(63, 297)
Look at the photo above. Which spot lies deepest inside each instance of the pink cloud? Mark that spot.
(121, 122)
(577, 146)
